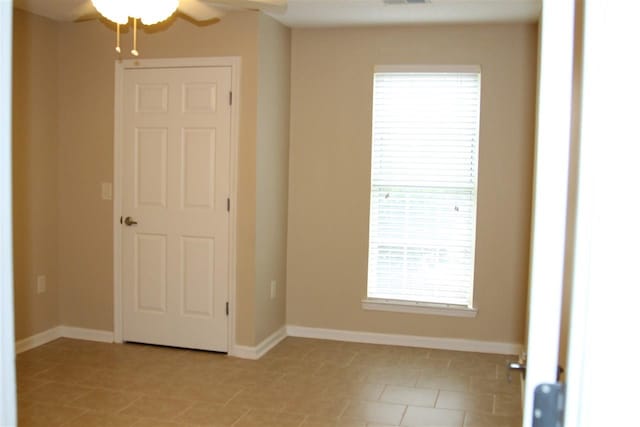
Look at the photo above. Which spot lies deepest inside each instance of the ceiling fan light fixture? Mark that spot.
(114, 10)
(148, 11)
(153, 11)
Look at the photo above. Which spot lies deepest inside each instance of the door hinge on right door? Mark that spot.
(548, 405)
(227, 308)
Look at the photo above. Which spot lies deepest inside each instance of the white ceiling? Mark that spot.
(314, 13)
(305, 13)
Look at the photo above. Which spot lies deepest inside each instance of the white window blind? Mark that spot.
(423, 185)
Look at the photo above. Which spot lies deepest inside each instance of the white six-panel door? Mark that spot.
(175, 185)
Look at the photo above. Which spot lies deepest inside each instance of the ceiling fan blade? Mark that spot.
(84, 12)
(199, 11)
(266, 5)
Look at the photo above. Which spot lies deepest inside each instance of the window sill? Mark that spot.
(400, 306)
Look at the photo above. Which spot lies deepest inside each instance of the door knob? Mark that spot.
(129, 222)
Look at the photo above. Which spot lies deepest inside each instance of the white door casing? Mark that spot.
(175, 159)
(553, 139)
(8, 413)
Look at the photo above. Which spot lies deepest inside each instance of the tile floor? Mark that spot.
(300, 383)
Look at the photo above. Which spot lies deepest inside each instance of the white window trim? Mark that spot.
(416, 307)
(456, 68)
(421, 307)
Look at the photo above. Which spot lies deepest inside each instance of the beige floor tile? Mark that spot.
(252, 399)
(311, 421)
(318, 407)
(46, 353)
(474, 368)
(46, 415)
(209, 415)
(355, 390)
(150, 422)
(105, 400)
(409, 396)
(306, 379)
(343, 373)
(450, 382)
(486, 385)
(375, 412)
(395, 376)
(110, 379)
(25, 385)
(482, 403)
(487, 420)
(450, 355)
(101, 419)
(429, 417)
(342, 357)
(301, 382)
(252, 379)
(284, 365)
(158, 408)
(507, 404)
(262, 418)
(432, 366)
(68, 373)
(213, 393)
(55, 393)
(27, 368)
(156, 386)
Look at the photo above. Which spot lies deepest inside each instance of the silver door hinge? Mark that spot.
(227, 309)
(230, 98)
(548, 405)
(228, 204)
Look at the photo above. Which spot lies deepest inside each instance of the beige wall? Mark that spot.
(86, 105)
(272, 165)
(331, 89)
(64, 137)
(35, 147)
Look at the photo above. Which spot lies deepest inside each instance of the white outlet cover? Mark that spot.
(42, 284)
(107, 191)
(273, 289)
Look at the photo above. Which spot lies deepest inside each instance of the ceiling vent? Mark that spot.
(400, 2)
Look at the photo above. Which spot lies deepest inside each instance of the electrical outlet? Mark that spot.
(42, 284)
(107, 191)
(273, 289)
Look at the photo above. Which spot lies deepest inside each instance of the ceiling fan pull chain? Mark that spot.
(134, 51)
(118, 38)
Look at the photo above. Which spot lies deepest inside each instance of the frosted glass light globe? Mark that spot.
(148, 11)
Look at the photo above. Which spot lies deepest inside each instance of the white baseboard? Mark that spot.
(271, 341)
(86, 334)
(255, 353)
(62, 332)
(38, 339)
(405, 340)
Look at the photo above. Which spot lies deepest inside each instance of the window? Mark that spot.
(423, 186)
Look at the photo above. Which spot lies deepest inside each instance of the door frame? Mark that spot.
(234, 63)
(551, 184)
(8, 399)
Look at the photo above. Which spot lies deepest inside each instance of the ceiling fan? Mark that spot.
(151, 12)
